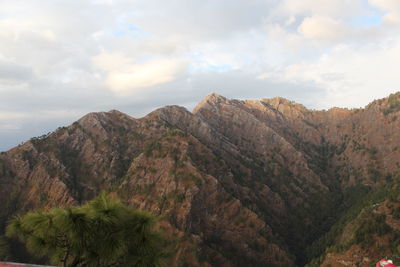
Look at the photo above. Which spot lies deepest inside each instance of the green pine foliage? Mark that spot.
(104, 232)
(4, 249)
(362, 200)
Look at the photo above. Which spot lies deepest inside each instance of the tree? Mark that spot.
(4, 249)
(103, 232)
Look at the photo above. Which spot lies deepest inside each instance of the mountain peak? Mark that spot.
(276, 102)
(116, 112)
(214, 96)
(210, 100)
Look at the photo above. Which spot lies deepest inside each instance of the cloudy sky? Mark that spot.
(60, 59)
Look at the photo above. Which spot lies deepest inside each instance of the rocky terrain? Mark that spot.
(235, 183)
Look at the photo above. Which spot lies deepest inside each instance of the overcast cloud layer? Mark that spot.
(62, 59)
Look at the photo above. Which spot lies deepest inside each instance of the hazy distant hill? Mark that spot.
(236, 183)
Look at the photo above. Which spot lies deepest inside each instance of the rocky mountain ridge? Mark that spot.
(235, 183)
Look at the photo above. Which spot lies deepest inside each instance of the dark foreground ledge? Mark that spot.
(14, 264)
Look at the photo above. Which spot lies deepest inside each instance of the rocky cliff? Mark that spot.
(235, 183)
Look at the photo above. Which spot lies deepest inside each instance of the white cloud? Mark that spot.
(15, 29)
(328, 8)
(392, 7)
(112, 61)
(124, 77)
(349, 77)
(323, 28)
(13, 115)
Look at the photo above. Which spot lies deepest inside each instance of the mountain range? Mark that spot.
(234, 182)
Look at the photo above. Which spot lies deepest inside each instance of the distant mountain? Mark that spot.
(236, 183)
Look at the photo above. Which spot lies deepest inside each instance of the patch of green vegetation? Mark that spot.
(76, 168)
(341, 148)
(40, 142)
(394, 104)
(180, 197)
(175, 132)
(136, 135)
(43, 197)
(369, 226)
(27, 156)
(359, 147)
(4, 171)
(354, 200)
(152, 169)
(147, 188)
(309, 123)
(359, 199)
(151, 146)
(396, 213)
(374, 173)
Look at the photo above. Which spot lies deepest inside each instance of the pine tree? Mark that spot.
(103, 232)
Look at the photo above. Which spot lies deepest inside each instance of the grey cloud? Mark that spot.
(36, 126)
(200, 19)
(12, 72)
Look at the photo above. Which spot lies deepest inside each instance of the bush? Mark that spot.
(370, 226)
(396, 213)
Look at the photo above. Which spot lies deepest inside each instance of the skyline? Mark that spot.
(60, 61)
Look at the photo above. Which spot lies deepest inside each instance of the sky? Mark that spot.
(61, 59)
